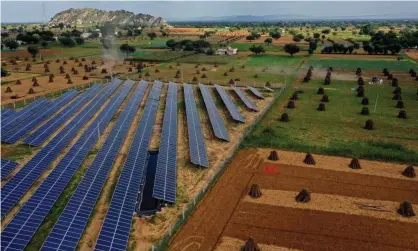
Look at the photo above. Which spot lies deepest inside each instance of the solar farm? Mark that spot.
(112, 156)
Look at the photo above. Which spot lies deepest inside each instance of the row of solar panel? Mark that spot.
(71, 223)
(7, 166)
(115, 231)
(25, 223)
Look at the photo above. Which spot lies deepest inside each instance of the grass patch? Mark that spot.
(247, 46)
(16, 152)
(205, 59)
(274, 60)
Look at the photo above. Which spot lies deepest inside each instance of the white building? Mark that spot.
(227, 51)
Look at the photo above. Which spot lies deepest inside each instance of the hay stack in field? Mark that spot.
(400, 104)
(34, 79)
(130, 69)
(273, 156)
(14, 96)
(250, 245)
(45, 65)
(360, 88)
(69, 82)
(398, 90)
(67, 76)
(321, 107)
(360, 93)
(409, 172)
(411, 71)
(85, 77)
(303, 196)
(321, 90)
(365, 101)
(402, 114)
(83, 59)
(309, 159)
(104, 70)
(327, 81)
(268, 84)
(395, 82)
(76, 60)
(31, 91)
(284, 117)
(51, 79)
(291, 104)
(8, 89)
(369, 125)
(194, 80)
(46, 70)
(360, 81)
(177, 76)
(231, 82)
(325, 98)
(27, 67)
(255, 191)
(390, 76)
(65, 62)
(35, 83)
(364, 111)
(385, 71)
(330, 69)
(306, 79)
(18, 82)
(62, 71)
(75, 72)
(397, 97)
(355, 164)
(204, 76)
(414, 74)
(232, 69)
(157, 71)
(226, 74)
(204, 69)
(358, 71)
(170, 67)
(216, 66)
(294, 96)
(406, 210)
(147, 74)
(93, 62)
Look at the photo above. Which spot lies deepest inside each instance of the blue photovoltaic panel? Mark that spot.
(46, 130)
(7, 166)
(233, 110)
(255, 92)
(244, 99)
(19, 184)
(24, 114)
(13, 135)
(165, 175)
(114, 234)
(7, 112)
(215, 118)
(69, 227)
(198, 154)
(23, 226)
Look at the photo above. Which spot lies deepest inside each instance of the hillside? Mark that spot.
(89, 16)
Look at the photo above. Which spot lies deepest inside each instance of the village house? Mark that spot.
(226, 51)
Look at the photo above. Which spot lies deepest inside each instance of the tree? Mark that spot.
(61, 25)
(276, 35)
(152, 35)
(250, 37)
(268, 40)
(4, 73)
(127, 49)
(291, 49)
(44, 44)
(210, 51)
(66, 41)
(257, 49)
(76, 33)
(325, 31)
(317, 35)
(79, 40)
(368, 29)
(94, 34)
(33, 50)
(171, 43)
(11, 44)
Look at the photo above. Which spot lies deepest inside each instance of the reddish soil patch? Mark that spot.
(223, 212)
(412, 53)
(24, 53)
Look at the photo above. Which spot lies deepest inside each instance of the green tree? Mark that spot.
(127, 49)
(275, 35)
(210, 51)
(66, 41)
(11, 44)
(152, 35)
(291, 49)
(61, 25)
(44, 44)
(268, 40)
(79, 40)
(250, 37)
(33, 50)
(257, 49)
(171, 43)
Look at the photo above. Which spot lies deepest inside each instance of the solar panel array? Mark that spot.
(25, 113)
(13, 135)
(197, 146)
(6, 113)
(23, 226)
(115, 231)
(70, 226)
(7, 166)
(233, 110)
(255, 92)
(215, 118)
(244, 99)
(46, 130)
(19, 184)
(165, 175)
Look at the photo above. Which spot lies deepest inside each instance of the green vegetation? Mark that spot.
(365, 64)
(17, 152)
(339, 130)
(274, 60)
(247, 46)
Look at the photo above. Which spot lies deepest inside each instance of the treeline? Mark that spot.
(201, 45)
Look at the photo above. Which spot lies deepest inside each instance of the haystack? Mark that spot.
(268, 84)
(28, 67)
(232, 69)
(65, 62)
(306, 79)
(360, 81)
(402, 114)
(67, 76)
(57, 61)
(284, 117)
(204, 76)
(51, 79)
(325, 98)
(18, 82)
(365, 101)
(406, 210)
(390, 76)
(85, 77)
(83, 59)
(321, 90)
(104, 70)
(385, 71)
(355, 164)
(273, 156)
(294, 96)
(130, 69)
(8, 89)
(309, 160)
(250, 245)
(93, 62)
(358, 71)
(369, 125)
(400, 104)
(46, 70)
(256, 76)
(395, 82)
(255, 191)
(34, 79)
(291, 104)
(226, 74)
(157, 71)
(31, 91)
(231, 82)
(170, 67)
(398, 90)
(194, 80)
(360, 93)
(327, 81)
(397, 97)
(364, 111)
(409, 172)
(147, 74)
(69, 81)
(303, 196)
(321, 107)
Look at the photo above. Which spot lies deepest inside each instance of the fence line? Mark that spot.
(189, 208)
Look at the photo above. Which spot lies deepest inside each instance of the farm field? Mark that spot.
(341, 206)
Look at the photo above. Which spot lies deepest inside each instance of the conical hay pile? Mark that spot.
(365, 101)
(402, 114)
(31, 91)
(309, 160)
(8, 89)
(355, 164)
(291, 104)
(250, 245)
(273, 156)
(409, 172)
(406, 210)
(321, 90)
(284, 117)
(325, 98)
(303, 196)
(364, 111)
(321, 107)
(369, 125)
(255, 191)
(18, 82)
(400, 104)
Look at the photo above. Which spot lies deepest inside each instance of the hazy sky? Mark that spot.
(16, 11)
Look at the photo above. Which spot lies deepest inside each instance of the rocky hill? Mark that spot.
(89, 16)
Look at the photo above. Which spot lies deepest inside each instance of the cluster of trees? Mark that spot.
(339, 48)
(253, 36)
(383, 43)
(200, 45)
(298, 37)
(127, 49)
(257, 49)
(33, 37)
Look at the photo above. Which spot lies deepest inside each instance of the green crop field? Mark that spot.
(352, 64)
(339, 130)
(247, 46)
(274, 60)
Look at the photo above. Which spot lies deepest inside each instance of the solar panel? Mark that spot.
(165, 175)
(233, 110)
(24, 114)
(268, 89)
(197, 146)
(17, 186)
(25, 223)
(215, 118)
(46, 130)
(7, 112)
(244, 99)
(13, 135)
(69, 227)
(255, 92)
(115, 231)
(7, 166)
